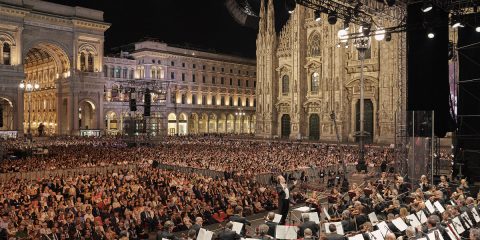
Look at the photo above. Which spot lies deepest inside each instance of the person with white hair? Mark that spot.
(284, 195)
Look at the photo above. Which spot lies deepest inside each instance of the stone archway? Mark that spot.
(230, 123)
(172, 124)
(193, 124)
(203, 124)
(212, 123)
(112, 123)
(87, 115)
(6, 114)
(182, 124)
(286, 126)
(314, 127)
(44, 64)
(222, 123)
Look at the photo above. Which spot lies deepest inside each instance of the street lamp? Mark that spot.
(362, 43)
(240, 113)
(28, 87)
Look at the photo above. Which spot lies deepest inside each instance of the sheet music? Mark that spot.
(313, 216)
(400, 224)
(439, 206)
(458, 225)
(453, 230)
(467, 219)
(237, 227)
(337, 224)
(383, 228)
(204, 234)
(373, 218)
(376, 235)
(451, 235)
(424, 238)
(302, 209)
(429, 206)
(421, 216)
(277, 218)
(413, 220)
(356, 237)
(286, 232)
(326, 214)
(431, 235)
(475, 215)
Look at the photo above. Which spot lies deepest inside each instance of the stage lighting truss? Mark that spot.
(378, 34)
(342, 11)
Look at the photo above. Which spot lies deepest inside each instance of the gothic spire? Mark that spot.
(271, 18)
(262, 23)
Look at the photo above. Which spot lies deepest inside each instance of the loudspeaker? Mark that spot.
(427, 62)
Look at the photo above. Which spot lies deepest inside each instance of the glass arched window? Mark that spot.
(247, 102)
(6, 54)
(315, 82)
(153, 73)
(214, 100)
(184, 99)
(194, 99)
(230, 101)
(285, 84)
(112, 72)
(132, 73)
(125, 73)
(117, 72)
(222, 101)
(204, 100)
(239, 101)
(105, 71)
(83, 63)
(90, 62)
(314, 45)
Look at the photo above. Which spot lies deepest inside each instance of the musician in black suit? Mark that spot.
(228, 233)
(333, 235)
(237, 217)
(272, 226)
(284, 195)
(308, 224)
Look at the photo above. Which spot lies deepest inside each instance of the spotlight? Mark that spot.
(388, 36)
(346, 25)
(366, 29)
(427, 6)
(380, 34)
(317, 14)
(343, 35)
(390, 2)
(338, 45)
(290, 5)
(346, 46)
(332, 17)
(456, 22)
(430, 35)
(477, 29)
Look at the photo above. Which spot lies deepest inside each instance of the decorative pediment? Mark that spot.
(283, 106)
(284, 70)
(312, 105)
(313, 65)
(368, 81)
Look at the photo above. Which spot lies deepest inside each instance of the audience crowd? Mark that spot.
(157, 202)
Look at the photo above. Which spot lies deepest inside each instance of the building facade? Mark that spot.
(304, 75)
(202, 92)
(80, 91)
(59, 49)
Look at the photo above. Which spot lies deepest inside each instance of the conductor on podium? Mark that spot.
(284, 196)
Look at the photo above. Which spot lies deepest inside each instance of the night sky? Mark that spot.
(202, 24)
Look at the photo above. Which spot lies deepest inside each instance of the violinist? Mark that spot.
(347, 222)
(334, 195)
(424, 186)
(458, 195)
(383, 179)
(443, 184)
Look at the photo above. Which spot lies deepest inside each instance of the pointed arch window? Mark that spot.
(90, 62)
(6, 54)
(83, 63)
(315, 82)
(314, 45)
(285, 84)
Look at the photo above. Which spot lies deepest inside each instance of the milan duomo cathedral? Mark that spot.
(304, 74)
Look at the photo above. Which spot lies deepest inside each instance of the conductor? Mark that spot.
(284, 193)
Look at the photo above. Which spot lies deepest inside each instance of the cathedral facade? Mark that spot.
(304, 75)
